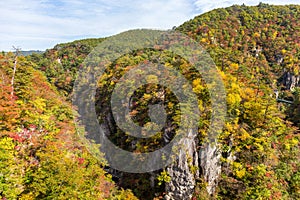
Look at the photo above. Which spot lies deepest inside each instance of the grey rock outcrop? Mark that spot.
(183, 178)
(289, 81)
(210, 164)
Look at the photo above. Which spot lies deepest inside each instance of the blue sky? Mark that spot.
(40, 24)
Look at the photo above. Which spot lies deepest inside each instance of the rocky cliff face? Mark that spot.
(190, 164)
(210, 164)
(182, 175)
(185, 170)
(289, 80)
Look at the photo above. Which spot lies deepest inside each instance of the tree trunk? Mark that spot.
(14, 72)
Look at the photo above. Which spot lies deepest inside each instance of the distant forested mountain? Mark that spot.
(27, 53)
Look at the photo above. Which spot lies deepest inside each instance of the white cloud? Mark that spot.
(40, 24)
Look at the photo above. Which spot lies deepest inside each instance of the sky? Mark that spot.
(41, 24)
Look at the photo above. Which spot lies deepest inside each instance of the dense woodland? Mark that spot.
(257, 52)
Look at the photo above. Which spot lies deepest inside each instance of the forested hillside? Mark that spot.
(61, 63)
(257, 49)
(257, 156)
(263, 41)
(41, 154)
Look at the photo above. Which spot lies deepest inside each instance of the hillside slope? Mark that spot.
(41, 154)
(264, 42)
(258, 50)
